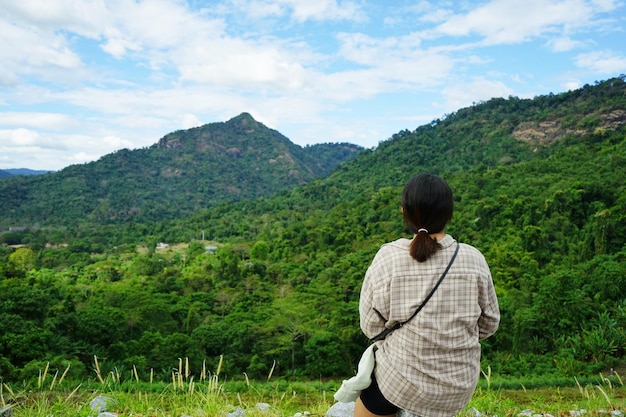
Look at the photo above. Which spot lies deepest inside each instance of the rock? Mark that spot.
(347, 410)
(341, 410)
(107, 414)
(239, 412)
(102, 403)
(263, 407)
(475, 412)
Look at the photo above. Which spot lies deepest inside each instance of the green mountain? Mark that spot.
(539, 188)
(184, 172)
(21, 171)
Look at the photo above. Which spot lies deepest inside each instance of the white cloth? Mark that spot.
(351, 388)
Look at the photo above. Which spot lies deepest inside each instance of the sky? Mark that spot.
(80, 79)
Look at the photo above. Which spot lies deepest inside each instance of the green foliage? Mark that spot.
(281, 293)
(21, 261)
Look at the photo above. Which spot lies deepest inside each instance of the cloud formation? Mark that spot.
(94, 76)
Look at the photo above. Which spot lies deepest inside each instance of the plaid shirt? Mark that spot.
(430, 366)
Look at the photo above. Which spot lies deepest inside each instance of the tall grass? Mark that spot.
(204, 393)
(187, 393)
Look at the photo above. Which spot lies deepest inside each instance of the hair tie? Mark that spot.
(423, 231)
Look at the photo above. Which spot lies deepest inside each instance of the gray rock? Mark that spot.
(102, 403)
(341, 410)
(263, 407)
(107, 414)
(239, 412)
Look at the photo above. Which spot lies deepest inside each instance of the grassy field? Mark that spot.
(52, 395)
(290, 399)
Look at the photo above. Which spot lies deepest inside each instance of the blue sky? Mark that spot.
(82, 78)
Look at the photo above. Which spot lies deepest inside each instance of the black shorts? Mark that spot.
(375, 401)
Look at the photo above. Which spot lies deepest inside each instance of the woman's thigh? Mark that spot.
(361, 411)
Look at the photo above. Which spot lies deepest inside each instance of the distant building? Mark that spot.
(211, 249)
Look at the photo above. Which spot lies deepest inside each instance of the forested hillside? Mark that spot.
(539, 188)
(184, 172)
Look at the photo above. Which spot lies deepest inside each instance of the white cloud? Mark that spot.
(81, 157)
(113, 142)
(189, 121)
(464, 94)
(302, 10)
(162, 25)
(86, 148)
(117, 44)
(23, 140)
(602, 62)
(571, 85)
(52, 121)
(78, 16)
(239, 65)
(564, 44)
(394, 63)
(256, 9)
(324, 10)
(514, 21)
(39, 53)
(24, 137)
(605, 5)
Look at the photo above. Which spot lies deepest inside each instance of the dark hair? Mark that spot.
(427, 207)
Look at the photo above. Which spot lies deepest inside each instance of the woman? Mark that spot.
(430, 365)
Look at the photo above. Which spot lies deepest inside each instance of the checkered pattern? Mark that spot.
(430, 366)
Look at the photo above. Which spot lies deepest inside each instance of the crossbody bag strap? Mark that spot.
(385, 332)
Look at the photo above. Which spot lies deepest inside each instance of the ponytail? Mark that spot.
(423, 246)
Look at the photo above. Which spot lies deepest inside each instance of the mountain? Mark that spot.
(21, 171)
(185, 171)
(493, 135)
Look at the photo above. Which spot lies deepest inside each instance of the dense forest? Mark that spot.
(272, 282)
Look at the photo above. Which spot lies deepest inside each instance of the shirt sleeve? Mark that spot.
(374, 297)
(490, 316)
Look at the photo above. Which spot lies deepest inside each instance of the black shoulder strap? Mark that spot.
(385, 332)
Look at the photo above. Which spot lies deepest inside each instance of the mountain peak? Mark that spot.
(243, 118)
(246, 122)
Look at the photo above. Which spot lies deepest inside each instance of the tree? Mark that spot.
(21, 261)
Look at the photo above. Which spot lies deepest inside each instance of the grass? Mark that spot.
(53, 395)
